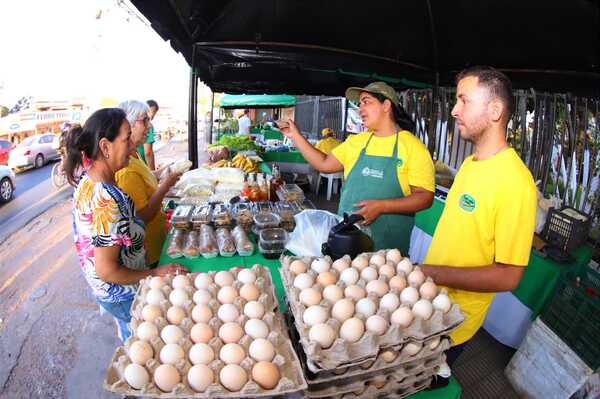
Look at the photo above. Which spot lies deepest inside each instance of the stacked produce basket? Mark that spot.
(358, 333)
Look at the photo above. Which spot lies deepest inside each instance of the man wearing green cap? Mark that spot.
(389, 174)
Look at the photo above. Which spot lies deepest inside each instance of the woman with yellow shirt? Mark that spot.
(389, 174)
(142, 184)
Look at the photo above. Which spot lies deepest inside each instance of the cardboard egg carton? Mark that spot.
(397, 384)
(263, 282)
(292, 379)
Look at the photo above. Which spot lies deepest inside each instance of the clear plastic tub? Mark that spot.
(243, 215)
(191, 249)
(269, 253)
(243, 245)
(181, 216)
(265, 220)
(290, 192)
(286, 212)
(208, 243)
(225, 242)
(273, 239)
(263, 206)
(221, 215)
(201, 214)
(175, 248)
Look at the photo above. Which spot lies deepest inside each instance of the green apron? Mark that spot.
(375, 177)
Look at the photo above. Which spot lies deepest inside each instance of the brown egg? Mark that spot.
(166, 377)
(231, 333)
(140, 352)
(266, 374)
(201, 333)
(201, 314)
(298, 267)
(175, 315)
(249, 292)
(151, 312)
(233, 377)
(326, 278)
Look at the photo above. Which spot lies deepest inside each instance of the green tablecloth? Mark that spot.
(290, 156)
(540, 275)
(269, 134)
(451, 391)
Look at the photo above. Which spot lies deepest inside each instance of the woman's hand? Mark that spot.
(369, 210)
(170, 180)
(171, 268)
(290, 130)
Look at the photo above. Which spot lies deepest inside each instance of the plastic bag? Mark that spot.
(312, 230)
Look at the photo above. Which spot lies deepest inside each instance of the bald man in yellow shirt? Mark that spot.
(483, 240)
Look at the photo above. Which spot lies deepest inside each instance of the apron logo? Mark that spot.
(467, 203)
(366, 172)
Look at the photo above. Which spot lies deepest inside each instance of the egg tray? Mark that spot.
(396, 384)
(292, 379)
(369, 344)
(263, 282)
(343, 375)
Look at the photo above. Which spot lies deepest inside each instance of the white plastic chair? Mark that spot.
(331, 179)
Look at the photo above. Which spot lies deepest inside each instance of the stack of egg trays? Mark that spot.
(377, 377)
(292, 380)
(343, 353)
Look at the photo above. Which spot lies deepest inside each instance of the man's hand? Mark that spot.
(290, 130)
(171, 268)
(369, 210)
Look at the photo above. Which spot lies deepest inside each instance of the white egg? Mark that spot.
(402, 316)
(151, 312)
(352, 329)
(249, 292)
(409, 296)
(201, 353)
(256, 328)
(366, 307)
(232, 354)
(350, 276)
(231, 333)
(389, 356)
(298, 267)
(405, 266)
(320, 265)
(412, 348)
(323, 334)
(442, 302)
(140, 352)
(303, 281)
(203, 281)
(166, 377)
(228, 312)
(416, 277)
(378, 287)
(157, 282)
(333, 293)
(171, 354)
(181, 281)
(315, 315)
(393, 255)
(341, 264)
(261, 350)
(434, 343)
(310, 296)
(377, 325)
(388, 271)
(355, 292)
(202, 296)
(171, 334)
(175, 315)
(254, 310)
(227, 294)
(224, 278)
(136, 376)
(179, 297)
(154, 296)
(423, 309)
(201, 333)
(246, 276)
(233, 377)
(428, 289)
(200, 377)
(201, 314)
(360, 262)
(389, 301)
(369, 273)
(146, 331)
(343, 310)
(398, 282)
(377, 260)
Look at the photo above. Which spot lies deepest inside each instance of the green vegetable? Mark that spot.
(238, 143)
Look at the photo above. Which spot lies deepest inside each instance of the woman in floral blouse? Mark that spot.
(109, 237)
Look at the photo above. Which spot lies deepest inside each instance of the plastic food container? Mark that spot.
(243, 215)
(221, 215)
(243, 245)
(273, 239)
(290, 192)
(175, 249)
(181, 217)
(201, 214)
(269, 253)
(191, 248)
(263, 206)
(286, 212)
(208, 242)
(225, 242)
(266, 220)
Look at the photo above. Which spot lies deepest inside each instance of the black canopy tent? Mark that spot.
(322, 47)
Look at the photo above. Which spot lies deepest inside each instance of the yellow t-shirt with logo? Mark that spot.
(489, 217)
(414, 166)
(140, 183)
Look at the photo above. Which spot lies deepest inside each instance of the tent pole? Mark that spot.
(345, 125)
(193, 120)
(212, 106)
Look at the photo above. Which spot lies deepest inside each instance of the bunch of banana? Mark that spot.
(244, 163)
(221, 164)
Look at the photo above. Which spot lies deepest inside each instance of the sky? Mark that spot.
(60, 49)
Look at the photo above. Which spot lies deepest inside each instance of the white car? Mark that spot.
(8, 184)
(33, 151)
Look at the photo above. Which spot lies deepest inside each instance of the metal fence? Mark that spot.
(314, 113)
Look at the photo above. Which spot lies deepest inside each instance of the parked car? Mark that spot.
(8, 184)
(34, 151)
(5, 147)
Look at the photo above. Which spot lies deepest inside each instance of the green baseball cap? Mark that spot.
(353, 93)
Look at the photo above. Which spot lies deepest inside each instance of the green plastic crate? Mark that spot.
(573, 313)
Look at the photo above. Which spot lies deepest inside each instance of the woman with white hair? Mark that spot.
(142, 184)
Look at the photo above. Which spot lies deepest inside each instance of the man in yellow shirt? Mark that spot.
(483, 239)
(388, 172)
(328, 142)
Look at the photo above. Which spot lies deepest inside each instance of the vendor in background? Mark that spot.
(388, 172)
(145, 150)
(328, 142)
(109, 237)
(142, 184)
(244, 123)
(483, 239)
